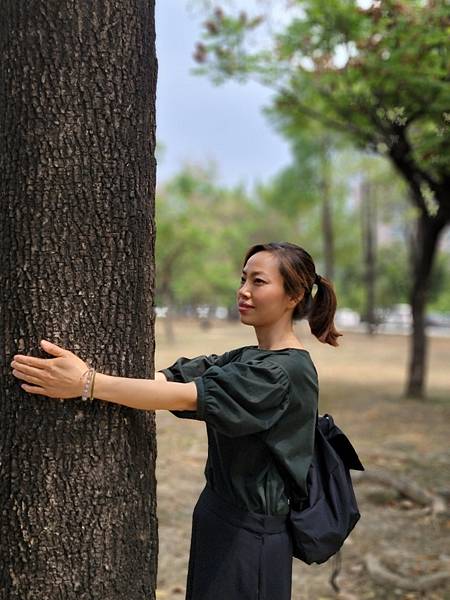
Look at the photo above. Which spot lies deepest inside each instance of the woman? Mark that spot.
(259, 404)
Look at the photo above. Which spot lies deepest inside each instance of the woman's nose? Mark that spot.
(242, 291)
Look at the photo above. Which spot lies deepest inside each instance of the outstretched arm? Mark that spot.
(61, 377)
(146, 394)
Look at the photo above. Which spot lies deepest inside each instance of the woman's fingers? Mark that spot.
(42, 363)
(23, 368)
(53, 349)
(27, 375)
(59, 377)
(38, 363)
(30, 379)
(33, 389)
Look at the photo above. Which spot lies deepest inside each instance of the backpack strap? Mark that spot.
(296, 500)
(337, 559)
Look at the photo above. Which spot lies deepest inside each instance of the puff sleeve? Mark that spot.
(242, 398)
(185, 369)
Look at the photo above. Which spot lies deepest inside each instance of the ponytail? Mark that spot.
(322, 311)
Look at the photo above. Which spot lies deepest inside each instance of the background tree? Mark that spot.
(308, 182)
(378, 187)
(76, 261)
(369, 244)
(378, 75)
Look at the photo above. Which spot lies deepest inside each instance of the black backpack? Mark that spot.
(322, 521)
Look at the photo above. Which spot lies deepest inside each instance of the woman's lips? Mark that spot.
(244, 307)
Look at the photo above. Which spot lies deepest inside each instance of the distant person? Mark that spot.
(259, 405)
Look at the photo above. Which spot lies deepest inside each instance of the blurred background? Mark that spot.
(325, 124)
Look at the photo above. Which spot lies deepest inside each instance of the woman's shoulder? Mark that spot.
(298, 364)
(291, 360)
(286, 355)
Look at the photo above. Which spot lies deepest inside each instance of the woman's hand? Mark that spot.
(59, 377)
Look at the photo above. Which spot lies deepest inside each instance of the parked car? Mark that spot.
(346, 317)
(438, 319)
(399, 314)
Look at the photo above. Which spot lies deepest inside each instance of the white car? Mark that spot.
(346, 317)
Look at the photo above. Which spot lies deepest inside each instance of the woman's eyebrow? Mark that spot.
(254, 273)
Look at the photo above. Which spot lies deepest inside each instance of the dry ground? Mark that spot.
(361, 385)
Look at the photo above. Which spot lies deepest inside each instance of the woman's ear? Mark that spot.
(294, 300)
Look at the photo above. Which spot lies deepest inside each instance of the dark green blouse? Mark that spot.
(259, 407)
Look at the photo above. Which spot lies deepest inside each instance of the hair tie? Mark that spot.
(317, 280)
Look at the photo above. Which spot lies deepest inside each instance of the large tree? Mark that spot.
(77, 178)
(379, 75)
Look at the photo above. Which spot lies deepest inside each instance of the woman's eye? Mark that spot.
(255, 280)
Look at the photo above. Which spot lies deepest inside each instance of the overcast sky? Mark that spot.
(199, 122)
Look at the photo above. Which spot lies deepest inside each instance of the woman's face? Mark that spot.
(261, 298)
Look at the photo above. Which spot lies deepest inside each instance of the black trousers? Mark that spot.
(237, 555)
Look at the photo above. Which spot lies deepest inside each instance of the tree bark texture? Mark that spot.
(77, 177)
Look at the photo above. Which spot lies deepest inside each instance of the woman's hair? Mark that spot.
(299, 273)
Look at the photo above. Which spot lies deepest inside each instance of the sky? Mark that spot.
(202, 123)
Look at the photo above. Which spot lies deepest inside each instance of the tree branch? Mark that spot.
(348, 126)
(385, 576)
(404, 486)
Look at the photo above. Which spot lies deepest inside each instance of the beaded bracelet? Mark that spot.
(88, 388)
(92, 387)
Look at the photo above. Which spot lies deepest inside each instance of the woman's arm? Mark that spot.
(145, 394)
(61, 377)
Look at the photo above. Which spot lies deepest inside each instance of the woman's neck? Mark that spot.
(274, 338)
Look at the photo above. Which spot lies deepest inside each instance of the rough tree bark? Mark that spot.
(77, 138)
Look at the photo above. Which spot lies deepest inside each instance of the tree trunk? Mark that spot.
(369, 242)
(423, 253)
(327, 217)
(167, 297)
(77, 136)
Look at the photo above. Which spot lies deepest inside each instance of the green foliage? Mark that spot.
(203, 231)
(393, 275)
(394, 78)
(298, 185)
(377, 75)
(439, 290)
